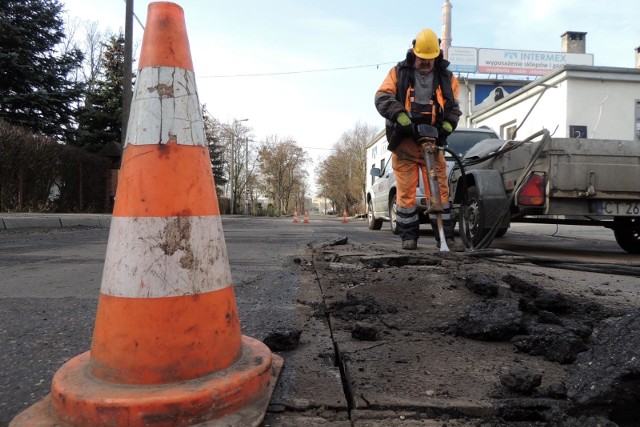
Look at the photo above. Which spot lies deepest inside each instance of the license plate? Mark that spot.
(618, 208)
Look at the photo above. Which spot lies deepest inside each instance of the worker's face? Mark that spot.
(424, 66)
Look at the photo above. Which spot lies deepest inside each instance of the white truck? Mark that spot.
(542, 179)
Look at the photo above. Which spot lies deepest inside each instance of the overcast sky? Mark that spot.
(351, 44)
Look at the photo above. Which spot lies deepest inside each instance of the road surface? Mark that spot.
(284, 279)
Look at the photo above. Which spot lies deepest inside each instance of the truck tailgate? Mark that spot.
(595, 168)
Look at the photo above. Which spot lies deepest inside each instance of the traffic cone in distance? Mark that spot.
(306, 218)
(167, 349)
(344, 217)
(295, 217)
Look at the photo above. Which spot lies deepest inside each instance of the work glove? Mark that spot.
(405, 127)
(444, 130)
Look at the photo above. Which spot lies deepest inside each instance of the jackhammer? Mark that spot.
(427, 137)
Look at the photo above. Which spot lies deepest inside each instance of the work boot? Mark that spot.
(452, 245)
(410, 244)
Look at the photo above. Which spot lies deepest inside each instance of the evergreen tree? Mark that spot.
(37, 86)
(216, 150)
(100, 121)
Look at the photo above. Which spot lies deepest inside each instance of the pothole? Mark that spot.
(455, 310)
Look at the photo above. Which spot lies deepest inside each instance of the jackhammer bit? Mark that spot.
(427, 140)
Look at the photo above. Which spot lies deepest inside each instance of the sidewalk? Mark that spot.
(12, 221)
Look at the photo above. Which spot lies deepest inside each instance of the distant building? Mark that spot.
(321, 205)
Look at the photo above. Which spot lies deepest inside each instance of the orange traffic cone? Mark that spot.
(295, 217)
(344, 217)
(167, 348)
(306, 218)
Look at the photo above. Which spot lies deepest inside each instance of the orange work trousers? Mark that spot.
(407, 162)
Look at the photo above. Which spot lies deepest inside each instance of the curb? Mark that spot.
(14, 222)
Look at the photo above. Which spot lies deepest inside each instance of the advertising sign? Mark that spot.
(463, 59)
(487, 94)
(527, 62)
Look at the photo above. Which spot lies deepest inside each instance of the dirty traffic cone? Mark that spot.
(167, 348)
(306, 218)
(344, 217)
(295, 217)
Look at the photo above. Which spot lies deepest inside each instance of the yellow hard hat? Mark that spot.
(426, 45)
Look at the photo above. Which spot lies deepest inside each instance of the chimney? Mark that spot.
(638, 57)
(574, 42)
(446, 28)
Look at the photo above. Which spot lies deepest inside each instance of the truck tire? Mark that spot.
(627, 233)
(393, 215)
(373, 222)
(473, 211)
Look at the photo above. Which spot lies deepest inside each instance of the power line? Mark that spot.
(320, 70)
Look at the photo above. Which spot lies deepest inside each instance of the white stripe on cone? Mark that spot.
(179, 118)
(151, 257)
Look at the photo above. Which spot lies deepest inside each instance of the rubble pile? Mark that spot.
(458, 338)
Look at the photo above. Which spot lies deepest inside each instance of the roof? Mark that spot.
(376, 138)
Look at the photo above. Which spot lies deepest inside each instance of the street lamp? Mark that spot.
(231, 177)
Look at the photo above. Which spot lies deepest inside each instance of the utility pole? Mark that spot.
(128, 63)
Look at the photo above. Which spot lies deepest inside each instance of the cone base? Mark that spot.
(236, 396)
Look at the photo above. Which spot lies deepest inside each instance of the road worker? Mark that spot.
(419, 90)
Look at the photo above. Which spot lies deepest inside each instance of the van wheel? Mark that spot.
(472, 219)
(373, 222)
(627, 233)
(393, 215)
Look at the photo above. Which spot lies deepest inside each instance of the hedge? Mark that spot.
(37, 174)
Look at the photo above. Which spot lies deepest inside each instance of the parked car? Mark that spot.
(381, 195)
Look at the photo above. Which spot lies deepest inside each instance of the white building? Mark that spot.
(377, 154)
(574, 101)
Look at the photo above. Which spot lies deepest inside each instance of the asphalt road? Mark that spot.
(50, 281)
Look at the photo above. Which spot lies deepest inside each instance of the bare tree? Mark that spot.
(91, 41)
(282, 164)
(250, 186)
(238, 135)
(93, 46)
(342, 175)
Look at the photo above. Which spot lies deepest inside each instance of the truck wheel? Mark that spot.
(627, 233)
(373, 222)
(393, 215)
(472, 233)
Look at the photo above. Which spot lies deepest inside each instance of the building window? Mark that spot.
(508, 130)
